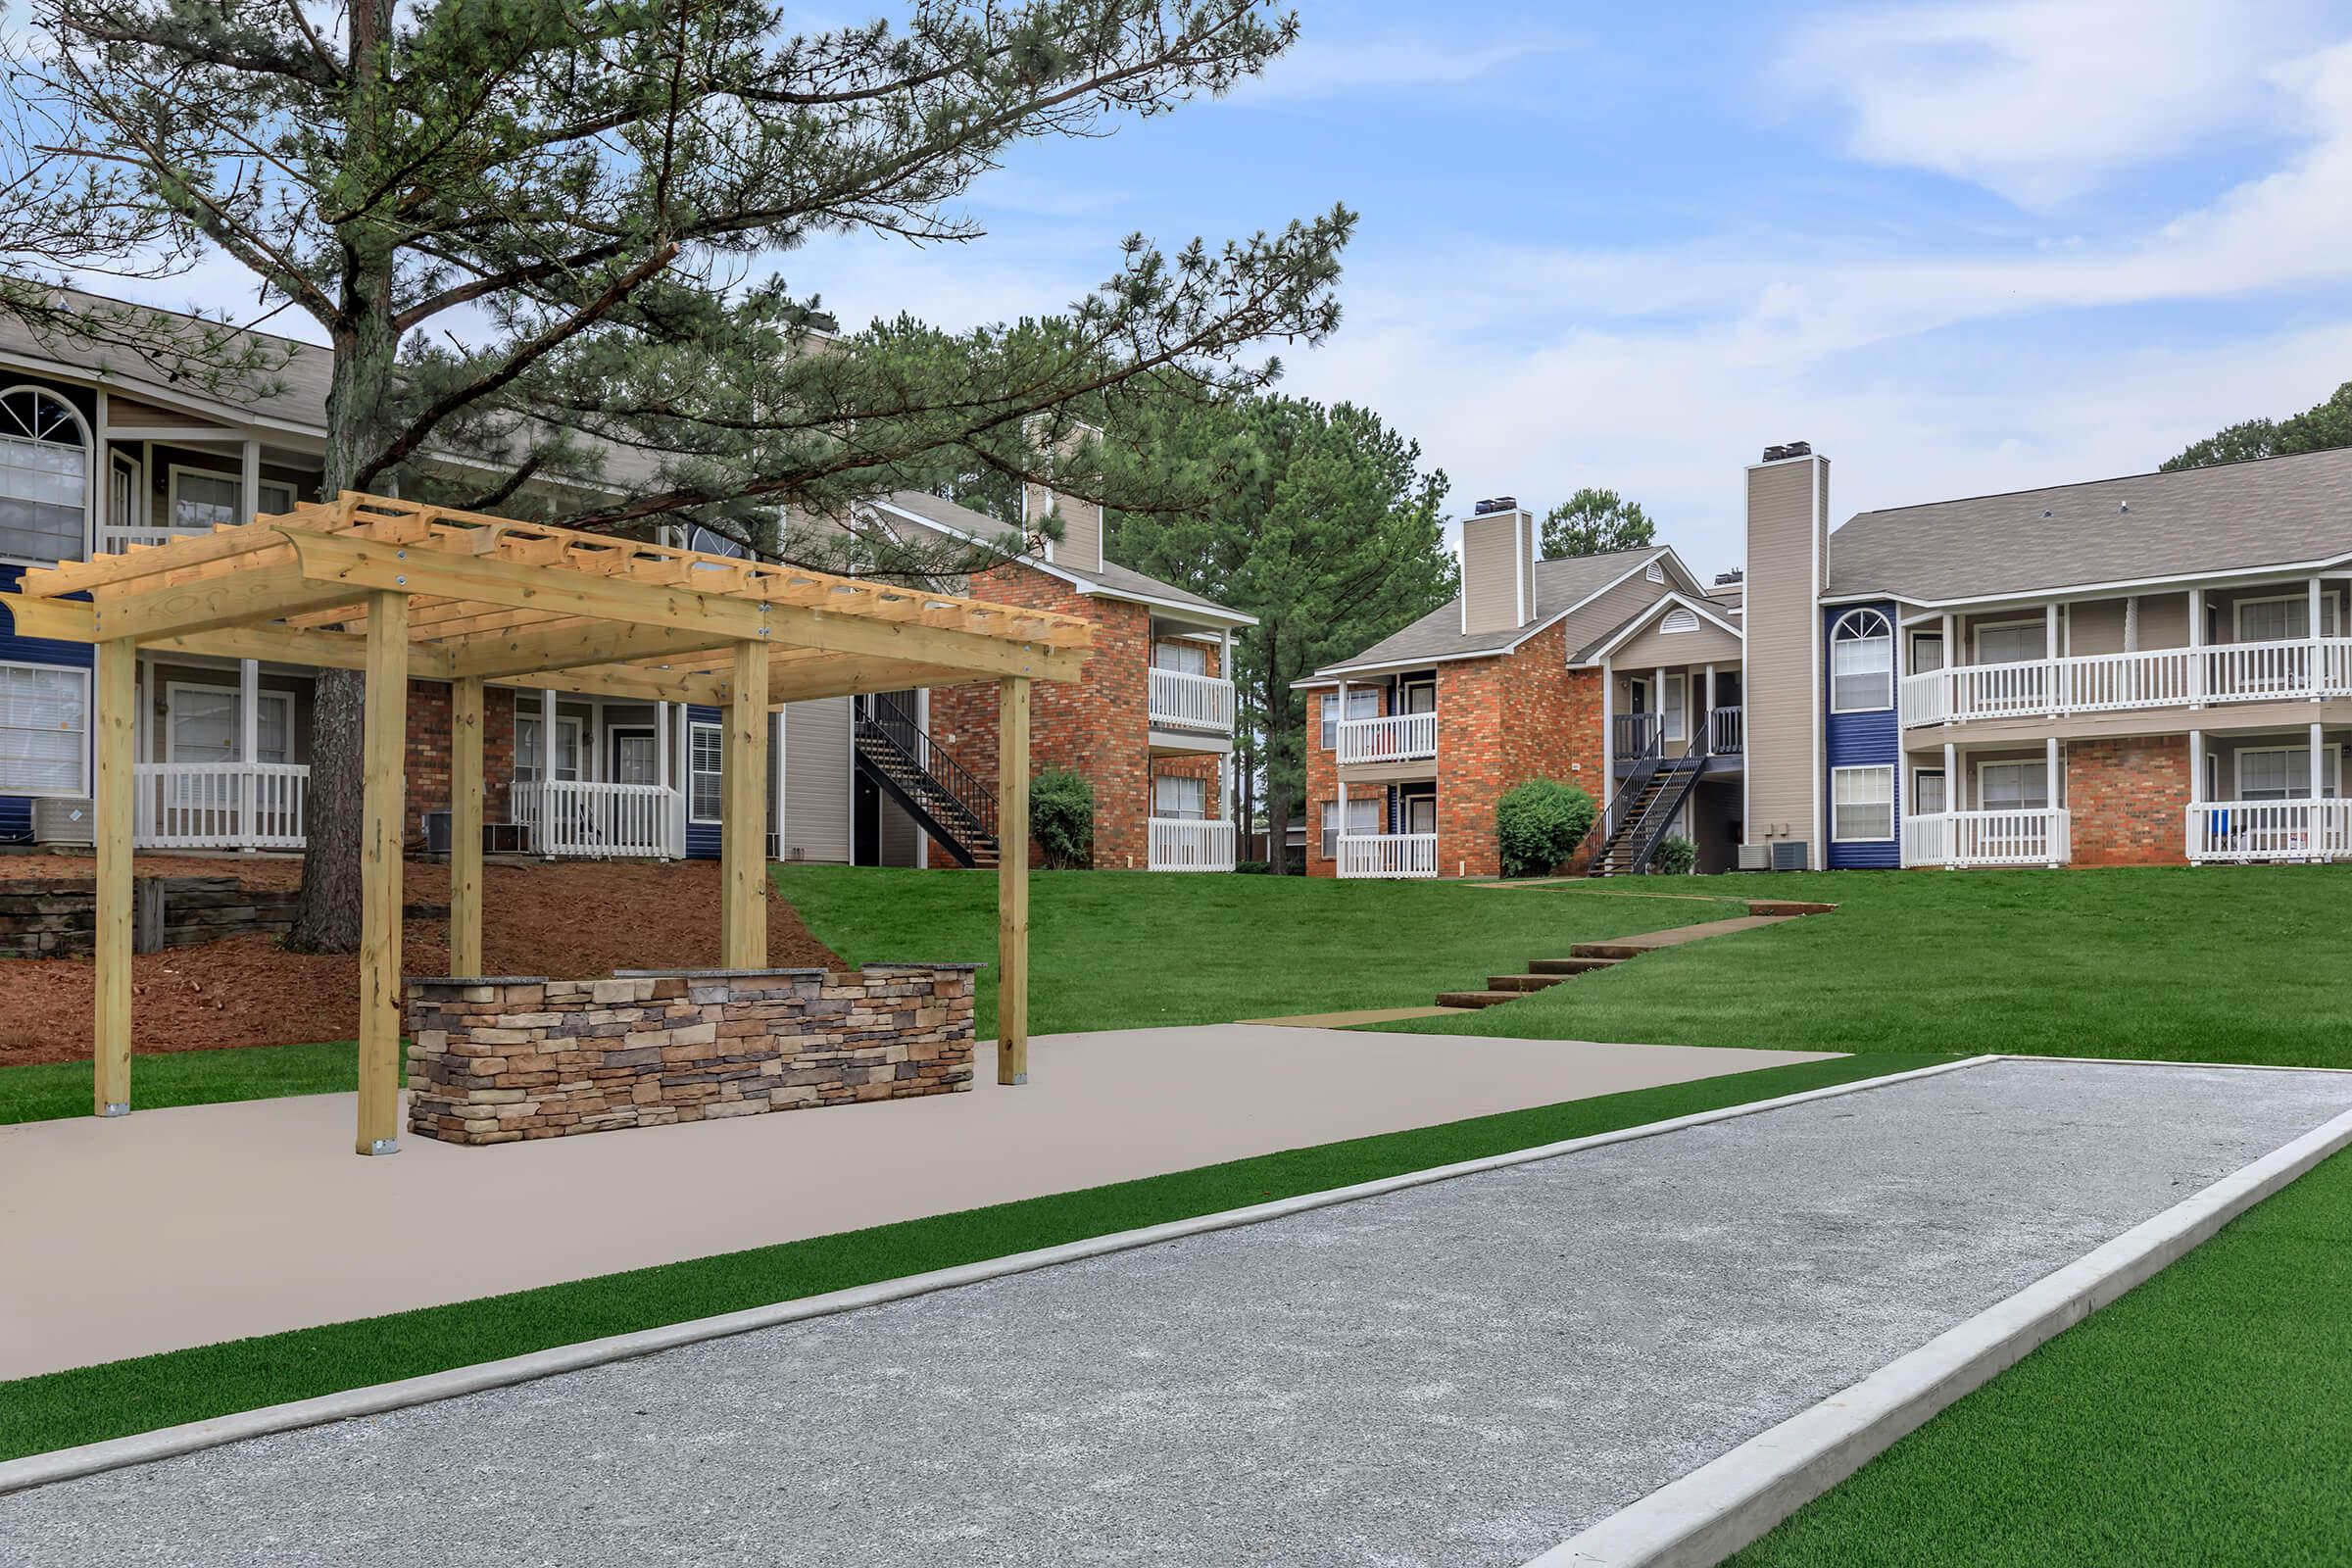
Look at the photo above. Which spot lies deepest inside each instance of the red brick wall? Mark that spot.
(1500, 723)
(2127, 800)
(1323, 777)
(426, 758)
(1096, 725)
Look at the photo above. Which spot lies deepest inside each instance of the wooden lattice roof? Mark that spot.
(529, 605)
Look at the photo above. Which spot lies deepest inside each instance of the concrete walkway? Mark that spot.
(186, 1226)
(1462, 1374)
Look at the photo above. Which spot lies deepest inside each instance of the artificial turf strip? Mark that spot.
(51, 1090)
(86, 1405)
(2200, 1419)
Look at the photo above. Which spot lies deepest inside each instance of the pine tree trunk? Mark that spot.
(326, 917)
(1278, 799)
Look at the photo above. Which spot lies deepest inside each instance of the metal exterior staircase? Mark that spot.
(1644, 807)
(943, 796)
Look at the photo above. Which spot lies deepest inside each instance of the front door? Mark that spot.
(634, 758)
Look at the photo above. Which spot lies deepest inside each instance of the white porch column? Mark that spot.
(1953, 800)
(249, 484)
(2052, 671)
(544, 832)
(2196, 644)
(662, 770)
(2318, 685)
(1657, 687)
(1339, 805)
(2319, 770)
(2057, 799)
(922, 840)
(1707, 715)
(2197, 767)
(248, 747)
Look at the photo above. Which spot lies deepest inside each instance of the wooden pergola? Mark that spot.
(401, 590)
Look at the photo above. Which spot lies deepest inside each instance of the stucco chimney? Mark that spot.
(1499, 566)
(1080, 547)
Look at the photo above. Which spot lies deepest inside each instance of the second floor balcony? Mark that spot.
(2301, 669)
(1200, 704)
(1392, 738)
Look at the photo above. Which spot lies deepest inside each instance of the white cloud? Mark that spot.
(2040, 100)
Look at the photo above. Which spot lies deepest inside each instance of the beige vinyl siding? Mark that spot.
(1080, 547)
(816, 780)
(1615, 605)
(1497, 571)
(1705, 644)
(2163, 620)
(1783, 705)
(2094, 626)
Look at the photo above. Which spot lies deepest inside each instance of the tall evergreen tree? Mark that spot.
(2322, 427)
(536, 234)
(1594, 523)
(1320, 522)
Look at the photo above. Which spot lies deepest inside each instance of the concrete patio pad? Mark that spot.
(1463, 1373)
(186, 1226)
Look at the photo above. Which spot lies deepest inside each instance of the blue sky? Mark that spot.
(1960, 247)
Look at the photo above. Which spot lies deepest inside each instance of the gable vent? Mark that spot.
(1679, 620)
(1655, 573)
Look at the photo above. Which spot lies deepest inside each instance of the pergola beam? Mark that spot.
(491, 656)
(247, 595)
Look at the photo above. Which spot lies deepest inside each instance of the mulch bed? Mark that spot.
(569, 920)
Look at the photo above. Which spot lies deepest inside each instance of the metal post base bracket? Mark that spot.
(385, 1145)
(1020, 1078)
(113, 1108)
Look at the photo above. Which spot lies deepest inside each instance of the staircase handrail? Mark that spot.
(961, 787)
(1649, 831)
(1607, 824)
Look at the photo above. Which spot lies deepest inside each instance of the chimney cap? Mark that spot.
(1495, 504)
(1789, 449)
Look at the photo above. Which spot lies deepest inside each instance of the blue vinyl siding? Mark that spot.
(16, 810)
(1858, 740)
(702, 837)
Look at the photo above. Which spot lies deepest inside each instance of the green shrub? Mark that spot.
(1061, 818)
(1675, 856)
(1539, 824)
(1252, 868)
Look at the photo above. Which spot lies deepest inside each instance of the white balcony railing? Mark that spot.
(219, 805)
(1390, 855)
(1188, 844)
(1988, 838)
(1192, 702)
(2158, 677)
(1398, 738)
(573, 819)
(1727, 731)
(2269, 830)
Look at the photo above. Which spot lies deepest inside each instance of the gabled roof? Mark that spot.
(2293, 511)
(1616, 636)
(1111, 580)
(1561, 586)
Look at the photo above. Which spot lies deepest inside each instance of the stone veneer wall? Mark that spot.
(495, 1060)
(54, 917)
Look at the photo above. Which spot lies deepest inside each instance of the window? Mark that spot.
(527, 750)
(704, 758)
(1927, 652)
(2013, 786)
(2283, 773)
(1363, 818)
(1418, 697)
(1861, 804)
(1861, 662)
(2013, 641)
(273, 497)
(1183, 799)
(2284, 618)
(1671, 707)
(1927, 793)
(44, 478)
(1420, 813)
(202, 498)
(1362, 702)
(44, 729)
(1679, 620)
(1185, 659)
(206, 724)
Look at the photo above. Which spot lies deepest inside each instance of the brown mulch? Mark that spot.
(569, 920)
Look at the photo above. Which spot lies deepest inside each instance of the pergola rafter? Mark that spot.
(399, 589)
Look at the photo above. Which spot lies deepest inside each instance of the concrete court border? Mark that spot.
(1736, 1498)
(144, 1448)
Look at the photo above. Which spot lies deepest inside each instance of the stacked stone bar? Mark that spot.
(499, 1059)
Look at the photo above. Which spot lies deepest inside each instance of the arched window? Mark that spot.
(44, 478)
(1861, 662)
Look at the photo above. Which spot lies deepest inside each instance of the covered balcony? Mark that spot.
(2254, 831)
(1184, 701)
(1388, 854)
(1394, 738)
(1183, 844)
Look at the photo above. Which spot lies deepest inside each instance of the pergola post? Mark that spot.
(115, 714)
(384, 733)
(466, 794)
(743, 829)
(1012, 880)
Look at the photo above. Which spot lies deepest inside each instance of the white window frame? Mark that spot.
(1943, 783)
(2048, 784)
(263, 507)
(1855, 618)
(227, 477)
(693, 729)
(127, 464)
(236, 707)
(1405, 805)
(81, 789)
(1673, 703)
(614, 737)
(529, 755)
(1197, 812)
(2331, 779)
(1179, 647)
(1942, 654)
(1976, 638)
(1893, 811)
(2329, 613)
(89, 476)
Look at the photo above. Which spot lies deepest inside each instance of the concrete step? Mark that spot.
(1477, 999)
(1613, 952)
(1786, 906)
(1524, 982)
(1565, 966)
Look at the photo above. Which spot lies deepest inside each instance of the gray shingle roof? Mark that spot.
(1111, 579)
(2272, 511)
(1559, 586)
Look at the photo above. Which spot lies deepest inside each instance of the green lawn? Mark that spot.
(2204, 1418)
(2212, 963)
(90, 1403)
(184, 1078)
(1121, 950)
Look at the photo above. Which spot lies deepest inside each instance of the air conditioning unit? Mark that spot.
(69, 821)
(1789, 855)
(1755, 856)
